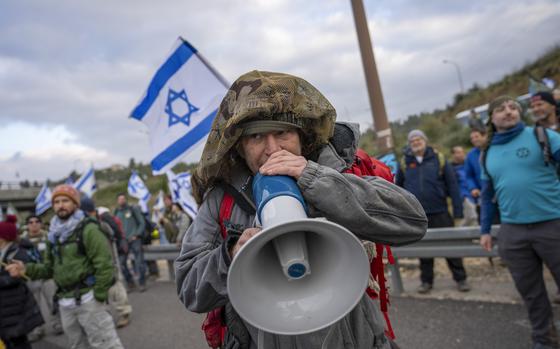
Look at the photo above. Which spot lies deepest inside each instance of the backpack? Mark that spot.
(214, 326)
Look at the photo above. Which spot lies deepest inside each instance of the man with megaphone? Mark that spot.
(252, 258)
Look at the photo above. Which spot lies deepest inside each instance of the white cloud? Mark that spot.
(83, 66)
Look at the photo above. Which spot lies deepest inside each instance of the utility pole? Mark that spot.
(380, 122)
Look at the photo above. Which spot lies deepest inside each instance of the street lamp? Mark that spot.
(446, 61)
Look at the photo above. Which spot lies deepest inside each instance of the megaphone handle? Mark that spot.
(260, 339)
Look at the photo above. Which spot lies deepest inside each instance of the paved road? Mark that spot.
(160, 321)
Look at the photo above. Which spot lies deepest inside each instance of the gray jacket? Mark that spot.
(370, 207)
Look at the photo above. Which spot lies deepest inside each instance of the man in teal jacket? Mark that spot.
(79, 261)
(517, 180)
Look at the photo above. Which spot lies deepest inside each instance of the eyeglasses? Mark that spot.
(33, 221)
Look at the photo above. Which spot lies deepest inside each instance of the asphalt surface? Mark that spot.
(159, 320)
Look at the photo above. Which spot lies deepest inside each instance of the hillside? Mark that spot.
(440, 125)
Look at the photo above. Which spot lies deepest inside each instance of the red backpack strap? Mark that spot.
(213, 326)
(226, 207)
(364, 165)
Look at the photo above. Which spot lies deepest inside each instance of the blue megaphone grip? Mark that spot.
(266, 188)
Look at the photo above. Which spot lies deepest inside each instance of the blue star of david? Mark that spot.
(173, 117)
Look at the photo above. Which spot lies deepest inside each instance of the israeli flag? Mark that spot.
(138, 190)
(86, 183)
(180, 188)
(179, 105)
(43, 200)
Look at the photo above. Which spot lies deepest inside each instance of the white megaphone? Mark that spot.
(298, 275)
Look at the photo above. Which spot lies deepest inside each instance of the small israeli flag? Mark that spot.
(43, 200)
(180, 105)
(180, 188)
(138, 190)
(86, 183)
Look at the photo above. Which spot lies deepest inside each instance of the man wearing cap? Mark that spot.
(78, 260)
(425, 173)
(527, 192)
(43, 290)
(278, 124)
(543, 106)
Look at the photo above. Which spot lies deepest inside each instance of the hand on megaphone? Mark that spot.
(246, 236)
(284, 163)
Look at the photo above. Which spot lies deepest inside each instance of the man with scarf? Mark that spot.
(79, 261)
(516, 179)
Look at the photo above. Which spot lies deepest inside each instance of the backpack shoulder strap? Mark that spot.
(226, 207)
(79, 231)
(544, 142)
(441, 161)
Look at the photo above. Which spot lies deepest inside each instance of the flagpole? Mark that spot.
(208, 65)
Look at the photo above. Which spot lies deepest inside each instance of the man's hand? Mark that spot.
(475, 193)
(486, 242)
(284, 163)
(247, 234)
(16, 269)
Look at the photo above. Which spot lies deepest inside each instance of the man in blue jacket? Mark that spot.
(426, 174)
(527, 191)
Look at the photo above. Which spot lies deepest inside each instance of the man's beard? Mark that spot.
(63, 214)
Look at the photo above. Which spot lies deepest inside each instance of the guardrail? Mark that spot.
(438, 242)
(442, 242)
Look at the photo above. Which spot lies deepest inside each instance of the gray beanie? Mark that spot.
(416, 133)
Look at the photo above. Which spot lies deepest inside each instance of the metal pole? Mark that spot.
(446, 61)
(380, 122)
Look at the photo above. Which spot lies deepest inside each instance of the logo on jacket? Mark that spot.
(522, 152)
(412, 165)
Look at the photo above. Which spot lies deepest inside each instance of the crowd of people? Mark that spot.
(75, 275)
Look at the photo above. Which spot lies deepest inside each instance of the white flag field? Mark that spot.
(138, 190)
(86, 183)
(43, 200)
(180, 189)
(179, 105)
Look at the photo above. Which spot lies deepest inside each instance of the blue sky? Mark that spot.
(71, 72)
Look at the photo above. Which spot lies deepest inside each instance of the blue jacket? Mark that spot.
(472, 169)
(430, 188)
(462, 181)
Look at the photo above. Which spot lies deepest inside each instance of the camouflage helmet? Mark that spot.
(269, 98)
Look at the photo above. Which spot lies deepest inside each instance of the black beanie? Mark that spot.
(87, 204)
(543, 96)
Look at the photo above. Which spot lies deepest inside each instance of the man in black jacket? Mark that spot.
(425, 173)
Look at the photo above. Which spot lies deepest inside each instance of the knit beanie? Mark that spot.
(68, 191)
(498, 102)
(8, 231)
(543, 96)
(87, 204)
(416, 133)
